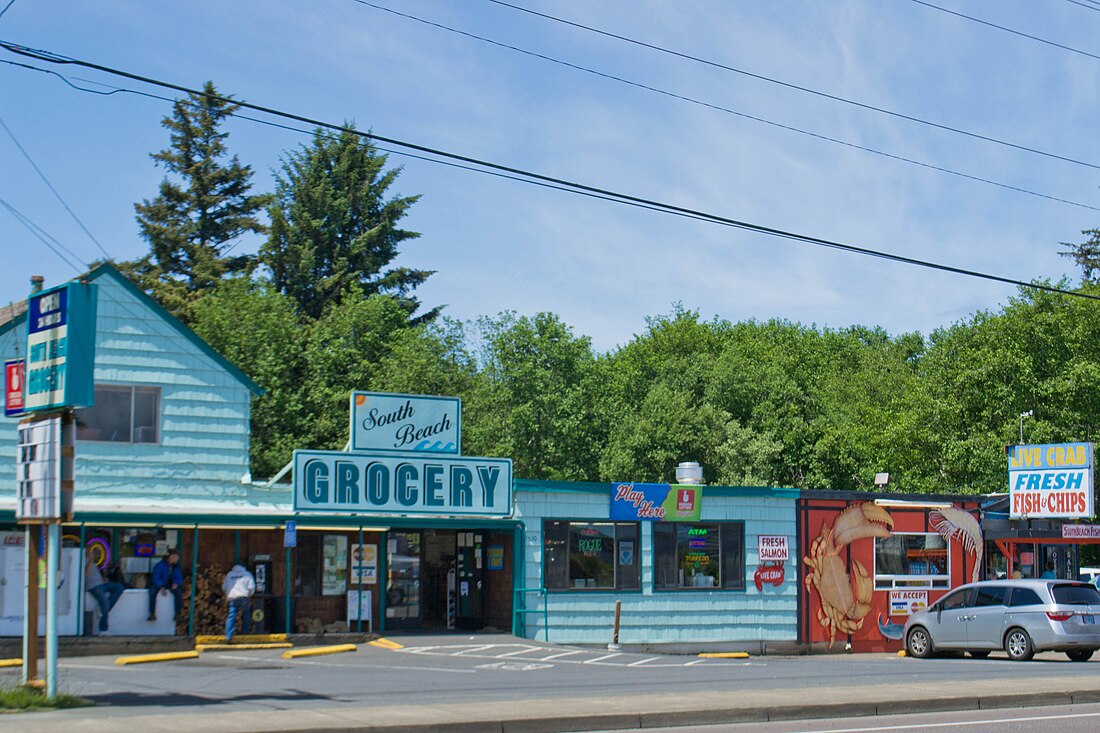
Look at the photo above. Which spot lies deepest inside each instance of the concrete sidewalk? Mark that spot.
(582, 714)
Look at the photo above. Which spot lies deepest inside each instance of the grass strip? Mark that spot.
(31, 698)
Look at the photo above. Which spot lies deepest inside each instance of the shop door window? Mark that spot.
(403, 577)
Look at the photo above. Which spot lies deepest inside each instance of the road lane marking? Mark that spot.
(600, 659)
(954, 724)
(521, 651)
(640, 662)
(560, 654)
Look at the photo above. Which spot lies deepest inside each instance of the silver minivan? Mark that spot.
(1019, 616)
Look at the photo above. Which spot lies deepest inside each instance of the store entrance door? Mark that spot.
(469, 566)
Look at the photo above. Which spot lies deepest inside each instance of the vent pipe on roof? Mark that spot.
(690, 473)
(36, 283)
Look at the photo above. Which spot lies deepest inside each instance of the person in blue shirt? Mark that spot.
(167, 577)
(1048, 574)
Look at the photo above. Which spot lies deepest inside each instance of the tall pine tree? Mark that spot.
(193, 223)
(333, 232)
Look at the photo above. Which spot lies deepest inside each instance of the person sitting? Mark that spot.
(105, 592)
(166, 577)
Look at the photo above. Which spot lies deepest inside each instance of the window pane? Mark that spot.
(628, 564)
(146, 414)
(915, 560)
(699, 551)
(555, 554)
(1024, 597)
(109, 418)
(733, 555)
(958, 599)
(994, 596)
(665, 574)
(1078, 595)
(592, 555)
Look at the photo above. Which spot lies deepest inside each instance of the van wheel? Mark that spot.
(979, 654)
(919, 643)
(1018, 645)
(1080, 655)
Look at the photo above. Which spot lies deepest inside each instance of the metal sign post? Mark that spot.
(57, 376)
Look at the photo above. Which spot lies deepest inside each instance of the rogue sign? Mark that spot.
(361, 483)
(1050, 480)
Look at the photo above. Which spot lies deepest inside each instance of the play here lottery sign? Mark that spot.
(1050, 480)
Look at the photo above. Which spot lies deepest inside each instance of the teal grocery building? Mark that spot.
(162, 463)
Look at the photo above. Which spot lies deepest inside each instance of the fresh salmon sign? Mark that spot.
(1050, 481)
(773, 548)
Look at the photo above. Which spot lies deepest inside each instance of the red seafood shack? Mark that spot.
(869, 560)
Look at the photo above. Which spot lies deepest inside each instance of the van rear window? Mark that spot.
(1076, 594)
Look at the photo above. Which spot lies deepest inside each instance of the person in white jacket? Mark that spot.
(239, 586)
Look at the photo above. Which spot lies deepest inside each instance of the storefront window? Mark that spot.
(911, 560)
(122, 414)
(591, 555)
(688, 556)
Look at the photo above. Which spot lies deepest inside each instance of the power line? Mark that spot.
(771, 80)
(10, 3)
(563, 184)
(1006, 29)
(329, 135)
(736, 113)
(52, 189)
(1089, 6)
(42, 236)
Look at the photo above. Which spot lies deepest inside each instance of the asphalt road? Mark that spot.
(497, 676)
(1061, 719)
(496, 667)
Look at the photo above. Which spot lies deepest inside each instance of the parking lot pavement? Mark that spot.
(532, 655)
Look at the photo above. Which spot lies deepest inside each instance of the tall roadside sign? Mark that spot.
(1047, 481)
(57, 376)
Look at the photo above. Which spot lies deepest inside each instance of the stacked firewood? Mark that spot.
(210, 607)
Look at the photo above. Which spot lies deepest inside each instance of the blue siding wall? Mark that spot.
(204, 410)
(656, 617)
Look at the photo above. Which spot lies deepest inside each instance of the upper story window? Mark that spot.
(121, 414)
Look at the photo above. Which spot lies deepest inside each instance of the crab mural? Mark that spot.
(845, 600)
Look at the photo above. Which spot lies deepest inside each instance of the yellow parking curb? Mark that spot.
(725, 655)
(240, 638)
(316, 651)
(11, 662)
(223, 647)
(386, 644)
(165, 657)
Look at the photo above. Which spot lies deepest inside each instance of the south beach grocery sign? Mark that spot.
(1050, 481)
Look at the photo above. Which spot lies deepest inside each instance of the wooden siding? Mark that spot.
(204, 410)
(655, 616)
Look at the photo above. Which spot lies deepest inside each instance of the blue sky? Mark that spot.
(603, 268)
